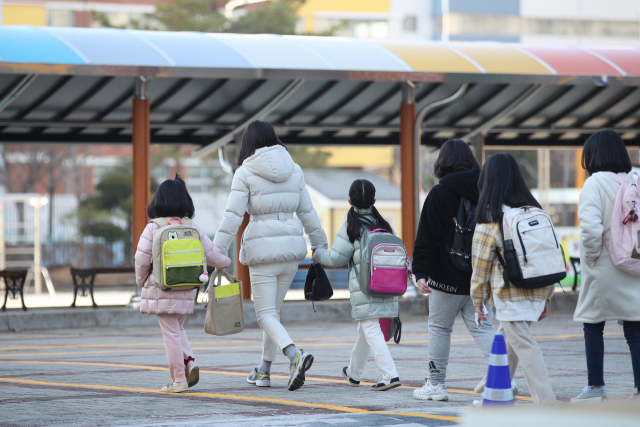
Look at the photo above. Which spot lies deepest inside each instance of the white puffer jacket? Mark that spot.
(269, 182)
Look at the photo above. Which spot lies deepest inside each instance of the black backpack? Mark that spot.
(317, 286)
(464, 226)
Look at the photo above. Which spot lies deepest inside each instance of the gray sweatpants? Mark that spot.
(443, 309)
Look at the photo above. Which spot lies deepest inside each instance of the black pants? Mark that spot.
(594, 347)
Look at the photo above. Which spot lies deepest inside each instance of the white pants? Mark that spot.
(527, 351)
(370, 339)
(269, 285)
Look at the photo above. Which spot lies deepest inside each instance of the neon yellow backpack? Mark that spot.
(178, 258)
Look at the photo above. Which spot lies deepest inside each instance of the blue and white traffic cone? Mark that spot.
(498, 390)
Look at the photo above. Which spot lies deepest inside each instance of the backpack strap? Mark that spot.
(616, 177)
(353, 265)
(502, 261)
(160, 222)
(398, 333)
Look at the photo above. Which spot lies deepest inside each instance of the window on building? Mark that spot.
(205, 178)
(513, 25)
(353, 28)
(60, 18)
(410, 24)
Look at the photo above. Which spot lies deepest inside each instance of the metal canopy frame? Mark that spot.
(323, 114)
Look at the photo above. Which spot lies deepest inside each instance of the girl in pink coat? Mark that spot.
(172, 200)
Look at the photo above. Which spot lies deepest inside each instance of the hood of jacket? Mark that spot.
(609, 184)
(463, 182)
(273, 163)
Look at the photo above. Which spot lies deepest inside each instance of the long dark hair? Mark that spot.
(258, 134)
(171, 200)
(501, 183)
(604, 151)
(362, 194)
(454, 154)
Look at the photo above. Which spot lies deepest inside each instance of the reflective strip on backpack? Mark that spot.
(181, 252)
(182, 263)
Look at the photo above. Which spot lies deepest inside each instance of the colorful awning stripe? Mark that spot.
(113, 47)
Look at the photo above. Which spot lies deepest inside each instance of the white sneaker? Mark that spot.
(591, 395)
(477, 403)
(634, 395)
(174, 387)
(431, 392)
(261, 379)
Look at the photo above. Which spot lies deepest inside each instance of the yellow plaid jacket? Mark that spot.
(487, 271)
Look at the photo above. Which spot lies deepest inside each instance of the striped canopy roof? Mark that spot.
(74, 85)
(114, 47)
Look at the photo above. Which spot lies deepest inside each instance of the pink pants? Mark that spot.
(175, 343)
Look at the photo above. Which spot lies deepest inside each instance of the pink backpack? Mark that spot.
(625, 227)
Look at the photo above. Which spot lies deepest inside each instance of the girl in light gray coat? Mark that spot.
(270, 187)
(365, 309)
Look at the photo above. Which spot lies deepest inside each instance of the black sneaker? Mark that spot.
(350, 381)
(301, 363)
(386, 385)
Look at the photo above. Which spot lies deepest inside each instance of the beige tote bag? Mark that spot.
(225, 309)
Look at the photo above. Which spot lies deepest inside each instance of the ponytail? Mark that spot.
(362, 194)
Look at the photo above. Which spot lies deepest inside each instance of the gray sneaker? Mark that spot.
(591, 395)
(301, 363)
(193, 373)
(261, 379)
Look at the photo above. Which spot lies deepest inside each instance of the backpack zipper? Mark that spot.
(182, 263)
(387, 244)
(524, 250)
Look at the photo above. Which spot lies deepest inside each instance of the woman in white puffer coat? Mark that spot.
(270, 186)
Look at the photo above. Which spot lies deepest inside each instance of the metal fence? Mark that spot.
(63, 244)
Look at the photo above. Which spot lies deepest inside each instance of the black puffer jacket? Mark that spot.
(431, 259)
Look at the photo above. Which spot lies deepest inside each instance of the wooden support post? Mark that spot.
(581, 176)
(408, 168)
(141, 140)
(242, 271)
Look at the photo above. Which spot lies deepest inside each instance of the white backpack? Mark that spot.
(533, 257)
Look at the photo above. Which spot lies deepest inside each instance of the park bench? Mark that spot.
(83, 279)
(14, 284)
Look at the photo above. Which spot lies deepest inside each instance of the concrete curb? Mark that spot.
(292, 311)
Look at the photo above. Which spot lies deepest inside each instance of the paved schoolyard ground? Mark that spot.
(102, 376)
